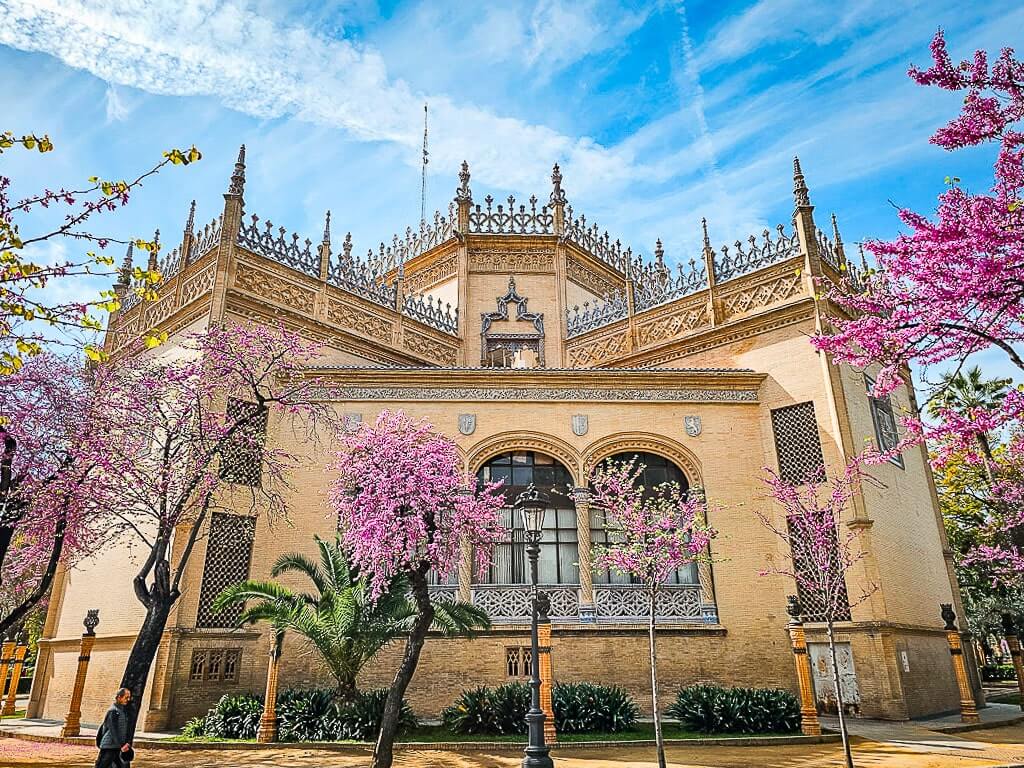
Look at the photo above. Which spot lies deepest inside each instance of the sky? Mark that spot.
(660, 113)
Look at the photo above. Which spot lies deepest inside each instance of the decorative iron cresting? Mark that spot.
(276, 247)
(502, 220)
(429, 311)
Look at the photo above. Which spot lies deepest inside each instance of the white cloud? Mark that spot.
(269, 69)
(117, 109)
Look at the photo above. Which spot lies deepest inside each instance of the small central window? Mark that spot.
(886, 434)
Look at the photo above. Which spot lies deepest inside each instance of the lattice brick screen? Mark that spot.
(228, 553)
(813, 601)
(796, 442)
(242, 459)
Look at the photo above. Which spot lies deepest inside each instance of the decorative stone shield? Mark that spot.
(580, 425)
(352, 421)
(692, 425)
(467, 423)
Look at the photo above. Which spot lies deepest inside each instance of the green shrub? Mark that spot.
(994, 673)
(194, 728)
(495, 711)
(713, 709)
(307, 715)
(590, 708)
(360, 718)
(235, 716)
(579, 708)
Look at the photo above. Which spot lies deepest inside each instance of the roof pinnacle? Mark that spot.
(463, 193)
(153, 264)
(800, 192)
(124, 275)
(327, 227)
(191, 217)
(237, 185)
(557, 193)
(707, 240)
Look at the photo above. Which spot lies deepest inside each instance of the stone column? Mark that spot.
(588, 610)
(1013, 640)
(465, 571)
(708, 605)
(809, 724)
(546, 676)
(72, 723)
(268, 721)
(6, 657)
(12, 692)
(968, 711)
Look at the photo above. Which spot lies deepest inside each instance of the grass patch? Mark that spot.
(438, 733)
(1005, 698)
(18, 713)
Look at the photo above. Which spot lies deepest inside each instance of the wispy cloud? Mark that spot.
(270, 69)
(117, 109)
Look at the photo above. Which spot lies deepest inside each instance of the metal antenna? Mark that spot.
(423, 181)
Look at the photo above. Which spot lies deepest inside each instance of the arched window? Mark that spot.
(559, 552)
(657, 470)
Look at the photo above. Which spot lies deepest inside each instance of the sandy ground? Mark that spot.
(995, 747)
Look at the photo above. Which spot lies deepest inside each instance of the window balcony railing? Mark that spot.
(613, 603)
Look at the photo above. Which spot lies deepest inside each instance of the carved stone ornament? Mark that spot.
(467, 423)
(580, 425)
(692, 425)
(92, 620)
(352, 421)
(948, 616)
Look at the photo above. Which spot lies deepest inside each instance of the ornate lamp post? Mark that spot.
(531, 504)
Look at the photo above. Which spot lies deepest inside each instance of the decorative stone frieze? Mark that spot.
(273, 287)
(517, 260)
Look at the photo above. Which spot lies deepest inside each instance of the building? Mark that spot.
(473, 322)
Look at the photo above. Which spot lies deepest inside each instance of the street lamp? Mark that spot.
(532, 503)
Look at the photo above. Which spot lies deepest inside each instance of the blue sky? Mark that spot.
(660, 113)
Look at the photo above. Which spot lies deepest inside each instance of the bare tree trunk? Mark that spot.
(383, 751)
(44, 582)
(659, 739)
(839, 695)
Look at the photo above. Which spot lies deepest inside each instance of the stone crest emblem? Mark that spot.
(467, 423)
(580, 425)
(692, 425)
(352, 421)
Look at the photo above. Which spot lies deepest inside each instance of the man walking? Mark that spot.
(112, 737)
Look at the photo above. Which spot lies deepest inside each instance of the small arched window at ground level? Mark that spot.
(657, 470)
(559, 551)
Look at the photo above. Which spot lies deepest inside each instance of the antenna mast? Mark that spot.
(423, 181)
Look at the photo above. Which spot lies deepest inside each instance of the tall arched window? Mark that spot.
(657, 470)
(559, 552)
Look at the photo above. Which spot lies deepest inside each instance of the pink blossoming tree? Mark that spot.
(187, 436)
(953, 285)
(406, 509)
(54, 493)
(821, 549)
(29, 317)
(657, 531)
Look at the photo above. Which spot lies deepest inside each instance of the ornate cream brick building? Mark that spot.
(473, 322)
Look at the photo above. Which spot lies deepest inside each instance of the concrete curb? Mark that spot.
(441, 746)
(965, 727)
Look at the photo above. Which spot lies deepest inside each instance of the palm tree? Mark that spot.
(339, 618)
(966, 393)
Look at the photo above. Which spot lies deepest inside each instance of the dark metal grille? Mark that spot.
(242, 458)
(886, 434)
(228, 553)
(797, 443)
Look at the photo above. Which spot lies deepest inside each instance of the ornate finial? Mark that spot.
(463, 193)
(152, 265)
(948, 616)
(124, 276)
(659, 254)
(191, 217)
(327, 228)
(543, 607)
(237, 186)
(557, 194)
(863, 258)
(793, 607)
(346, 246)
(835, 232)
(800, 193)
(91, 621)
(707, 240)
